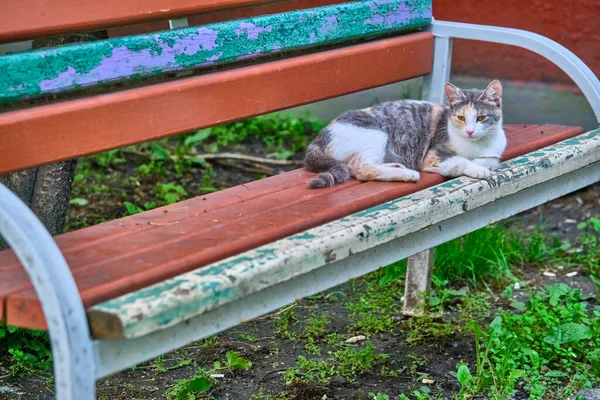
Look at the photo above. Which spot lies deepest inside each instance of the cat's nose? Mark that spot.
(470, 133)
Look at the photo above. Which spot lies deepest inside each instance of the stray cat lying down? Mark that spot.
(393, 141)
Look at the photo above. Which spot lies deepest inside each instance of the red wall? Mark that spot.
(573, 23)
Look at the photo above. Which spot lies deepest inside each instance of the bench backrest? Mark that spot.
(310, 60)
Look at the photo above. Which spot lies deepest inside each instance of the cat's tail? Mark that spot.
(331, 171)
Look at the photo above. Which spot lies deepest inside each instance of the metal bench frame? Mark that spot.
(79, 360)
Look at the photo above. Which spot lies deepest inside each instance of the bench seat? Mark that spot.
(119, 257)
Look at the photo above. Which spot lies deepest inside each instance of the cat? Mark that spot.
(394, 140)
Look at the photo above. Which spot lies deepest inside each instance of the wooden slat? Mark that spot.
(25, 19)
(127, 261)
(65, 130)
(67, 68)
(114, 230)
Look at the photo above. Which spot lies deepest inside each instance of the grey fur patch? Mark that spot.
(360, 118)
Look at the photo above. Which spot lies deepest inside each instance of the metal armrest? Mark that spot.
(56, 288)
(572, 65)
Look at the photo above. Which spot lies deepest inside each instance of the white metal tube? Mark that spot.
(54, 284)
(562, 57)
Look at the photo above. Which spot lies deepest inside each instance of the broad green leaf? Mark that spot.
(569, 332)
(159, 152)
(555, 374)
(237, 362)
(556, 292)
(197, 137)
(132, 208)
(199, 384)
(79, 202)
(464, 375)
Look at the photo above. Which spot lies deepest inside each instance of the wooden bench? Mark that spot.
(131, 289)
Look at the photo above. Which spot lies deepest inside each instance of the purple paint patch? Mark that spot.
(375, 20)
(330, 24)
(311, 38)
(252, 30)
(207, 38)
(126, 62)
(400, 15)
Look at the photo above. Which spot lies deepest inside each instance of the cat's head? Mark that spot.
(474, 113)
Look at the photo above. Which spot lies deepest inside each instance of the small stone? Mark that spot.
(572, 274)
(356, 339)
(548, 273)
(217, 375)
(428, 381)
(338, 381)
(570, 221)
(517, 286)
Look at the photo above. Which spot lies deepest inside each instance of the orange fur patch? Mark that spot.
(361, 171)
(436, 114)
(431, 160)
(365, 172)
(330, 151)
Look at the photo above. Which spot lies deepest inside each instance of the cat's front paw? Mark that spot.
(476, 171)
(488, 162)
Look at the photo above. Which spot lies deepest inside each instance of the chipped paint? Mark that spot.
(209, 287)
(65, 68)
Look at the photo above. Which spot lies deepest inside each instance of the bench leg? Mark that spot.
(418, 281)
(74, 360)
(420, 265)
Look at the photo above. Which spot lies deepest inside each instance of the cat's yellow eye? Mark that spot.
(481, 118)
(461, 117)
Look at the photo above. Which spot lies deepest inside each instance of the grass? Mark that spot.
(346, 362)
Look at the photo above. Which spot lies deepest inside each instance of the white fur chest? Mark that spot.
(491, 145)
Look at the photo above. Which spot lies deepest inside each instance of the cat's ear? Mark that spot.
(454, 94)
(493, 92)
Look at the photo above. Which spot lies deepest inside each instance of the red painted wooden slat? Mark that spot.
(125, 263)
(25, 19)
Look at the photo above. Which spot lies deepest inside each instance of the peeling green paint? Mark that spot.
(66, 68)
(450, 184)
(302, 236)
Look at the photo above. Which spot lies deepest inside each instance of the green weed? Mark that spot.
(425, 327)
(347, 362)
(475, 307)
(316, 327)
(160, 364)
(29, 350)
(373, 310)
(552, 347)
(286, 318)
